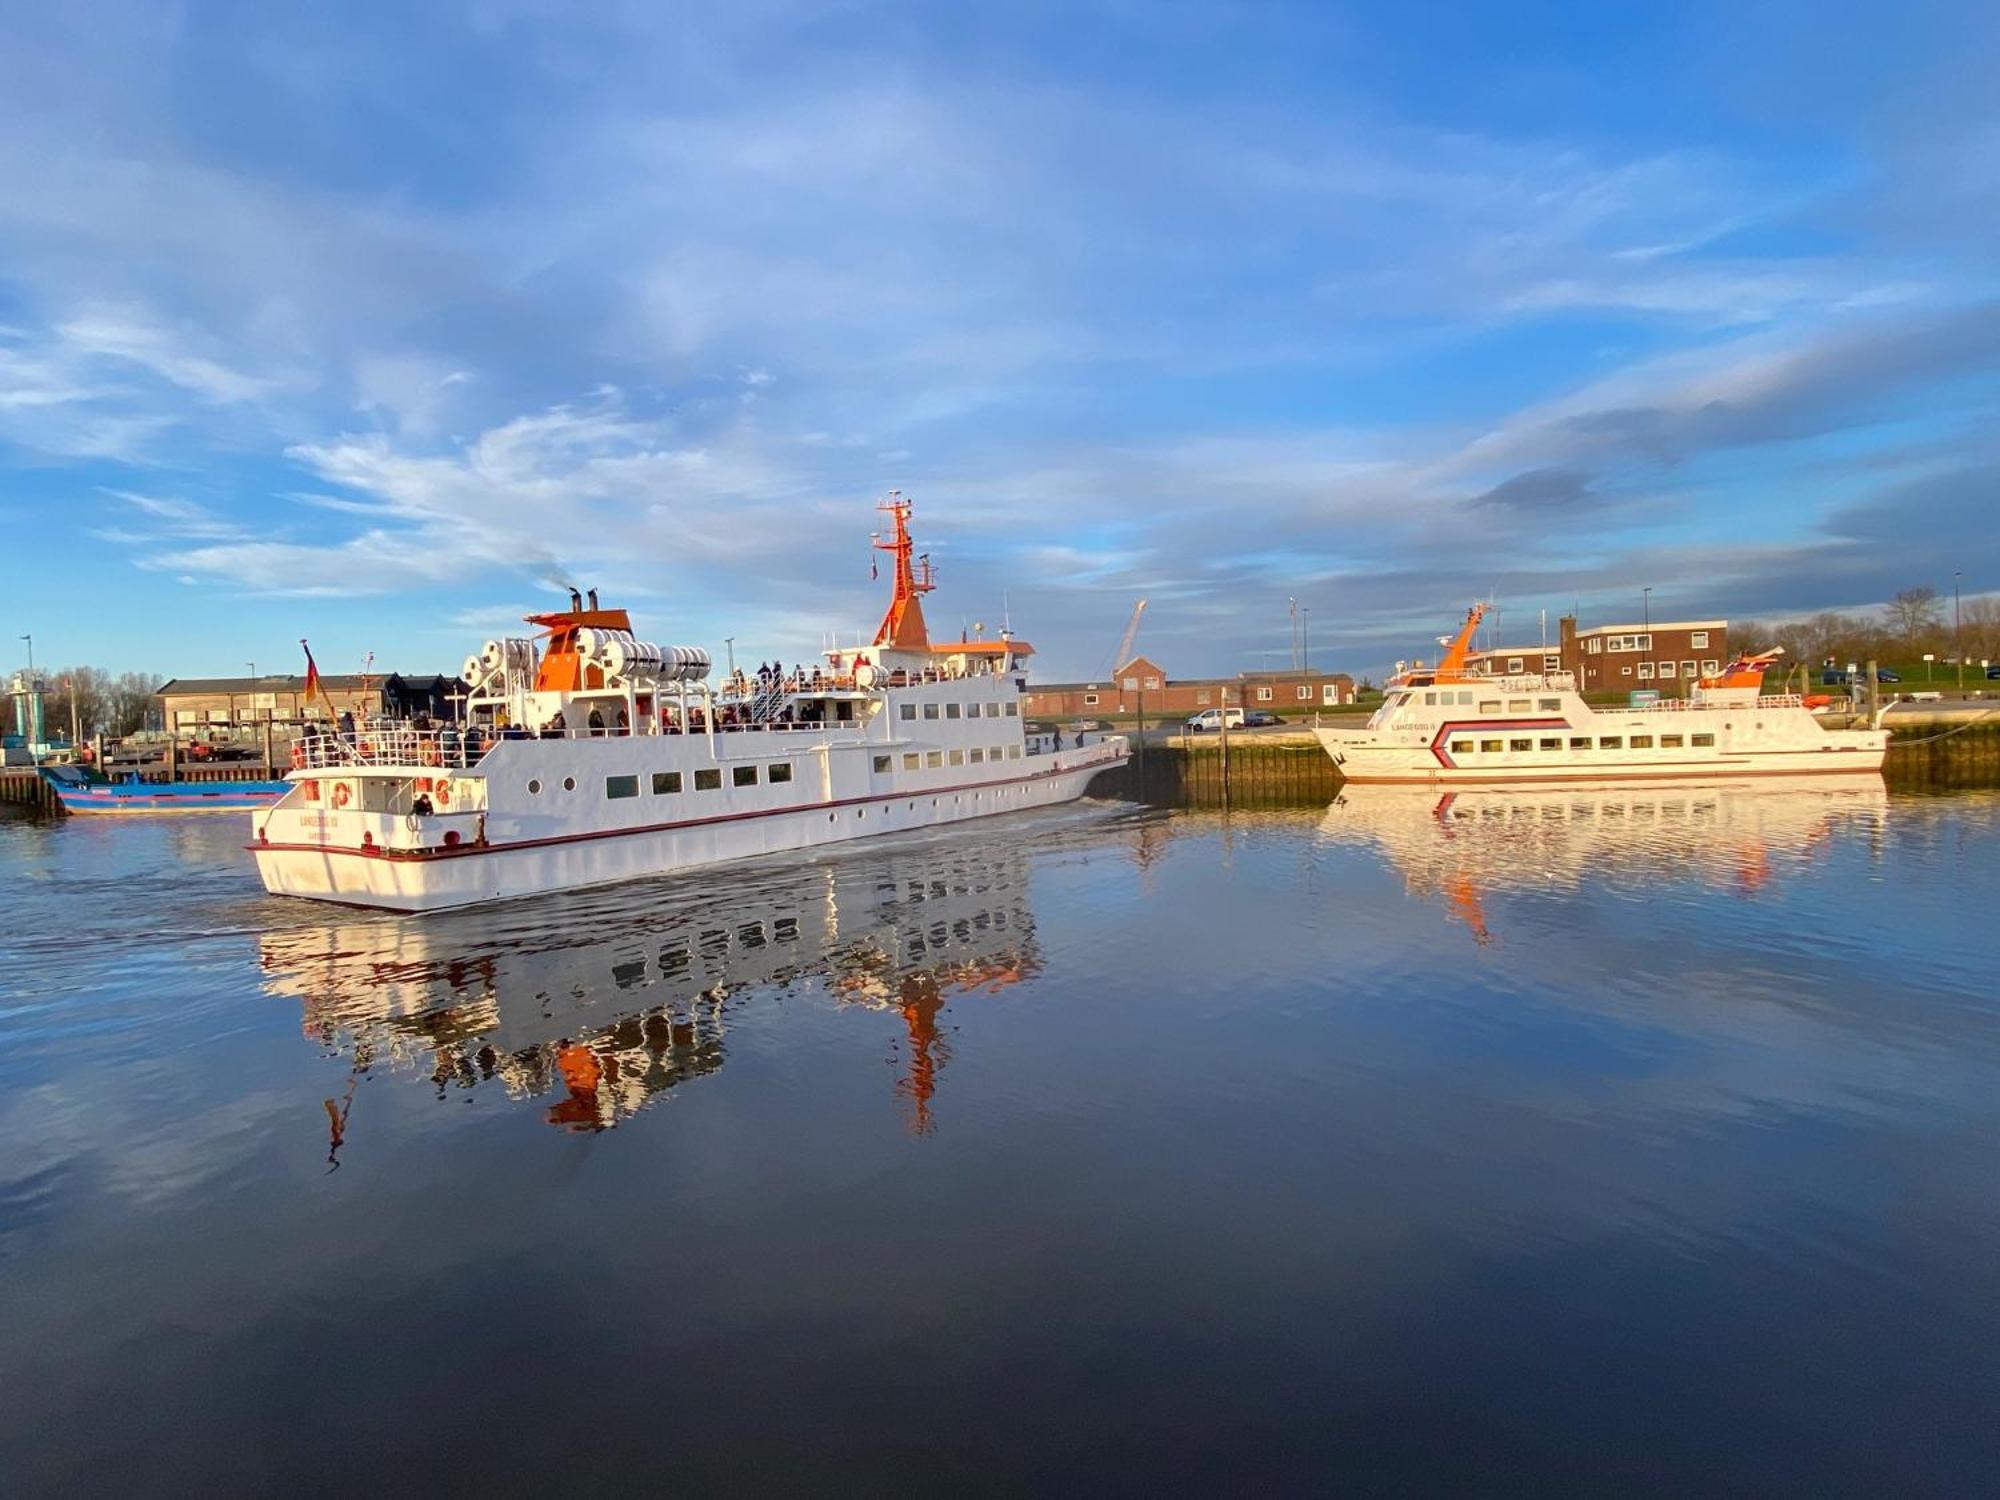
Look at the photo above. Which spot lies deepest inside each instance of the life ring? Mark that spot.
(298, 756)
(443, 792)
(432, 755)
(864, 675)
(341, 795)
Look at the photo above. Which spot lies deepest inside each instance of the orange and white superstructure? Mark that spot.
(1448, 724)
(588, 755)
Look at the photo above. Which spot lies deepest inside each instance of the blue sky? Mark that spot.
(374, 323)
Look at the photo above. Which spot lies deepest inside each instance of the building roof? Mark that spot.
(1640, 628)
(187, 687)
(1111, 684)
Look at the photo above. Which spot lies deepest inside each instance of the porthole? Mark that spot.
(569, 783)
(534, 789)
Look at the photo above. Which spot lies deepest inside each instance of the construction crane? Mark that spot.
(1124, 652)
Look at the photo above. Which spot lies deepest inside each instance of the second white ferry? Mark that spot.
(1448, 724)
(589, 756)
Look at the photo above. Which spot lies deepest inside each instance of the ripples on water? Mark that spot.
(1560, 1138)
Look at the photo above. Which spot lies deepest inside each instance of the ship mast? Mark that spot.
(903, 625)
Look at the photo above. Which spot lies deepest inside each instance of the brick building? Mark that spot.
(188, 704)
(1141, 680)
(1667, 655)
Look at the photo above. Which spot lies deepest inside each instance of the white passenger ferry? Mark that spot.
(589, 756)
(1450, 725)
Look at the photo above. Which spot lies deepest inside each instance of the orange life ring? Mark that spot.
(443, 792)
(340, 794)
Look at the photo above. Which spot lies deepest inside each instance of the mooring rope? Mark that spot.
(1947, 734)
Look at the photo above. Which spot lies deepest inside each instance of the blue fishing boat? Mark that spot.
(80, 792)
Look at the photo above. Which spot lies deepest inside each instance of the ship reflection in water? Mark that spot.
(603, 1002)
(1459, 845)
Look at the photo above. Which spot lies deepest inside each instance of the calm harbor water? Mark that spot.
(1560, 1140)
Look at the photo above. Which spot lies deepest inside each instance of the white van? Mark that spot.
(1209, 720)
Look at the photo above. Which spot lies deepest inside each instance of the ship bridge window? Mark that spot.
(778, 771)
(1428, 697)
(666, 783)
(621, 786)
(708, 779)
(742, 775)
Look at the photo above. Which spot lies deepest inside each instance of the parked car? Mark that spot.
(1210, 720)
(1260, 718)
(1993, 673)
(1837, 676)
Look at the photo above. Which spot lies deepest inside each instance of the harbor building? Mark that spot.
(1666, 655)
(191, 704)
(1142, 682)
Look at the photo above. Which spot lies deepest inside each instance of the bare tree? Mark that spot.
(1981, 628)
(1913, 613)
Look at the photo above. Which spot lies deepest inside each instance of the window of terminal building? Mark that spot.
(1201, 698)
(1667, 671)
(1515, 664)
(1090, 700)
(1305, 692)
(1645, 671)
(742, 775)
(1552, 663)
(1263, 695)
(1152, 684)
(666, 783)
(1595, 645)
(1711, 666)
(1698, 639)
(1131, 684)
(621, 786)
(709, 779)
(1687, 669)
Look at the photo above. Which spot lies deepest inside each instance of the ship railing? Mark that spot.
(1766, 700)
(390, 745)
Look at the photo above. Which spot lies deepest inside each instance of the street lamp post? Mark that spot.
(1305, 639)
(729, 641)
(1646, 609)
(1957, 632)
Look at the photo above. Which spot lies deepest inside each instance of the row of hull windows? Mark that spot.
(932, 759)
(1584, 742)
(779, 773)
(672, 783)
(908, 711)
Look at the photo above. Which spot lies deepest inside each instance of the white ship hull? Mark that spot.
(1525, 732)
(316, 855)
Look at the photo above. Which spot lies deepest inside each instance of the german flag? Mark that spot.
(314, 693)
